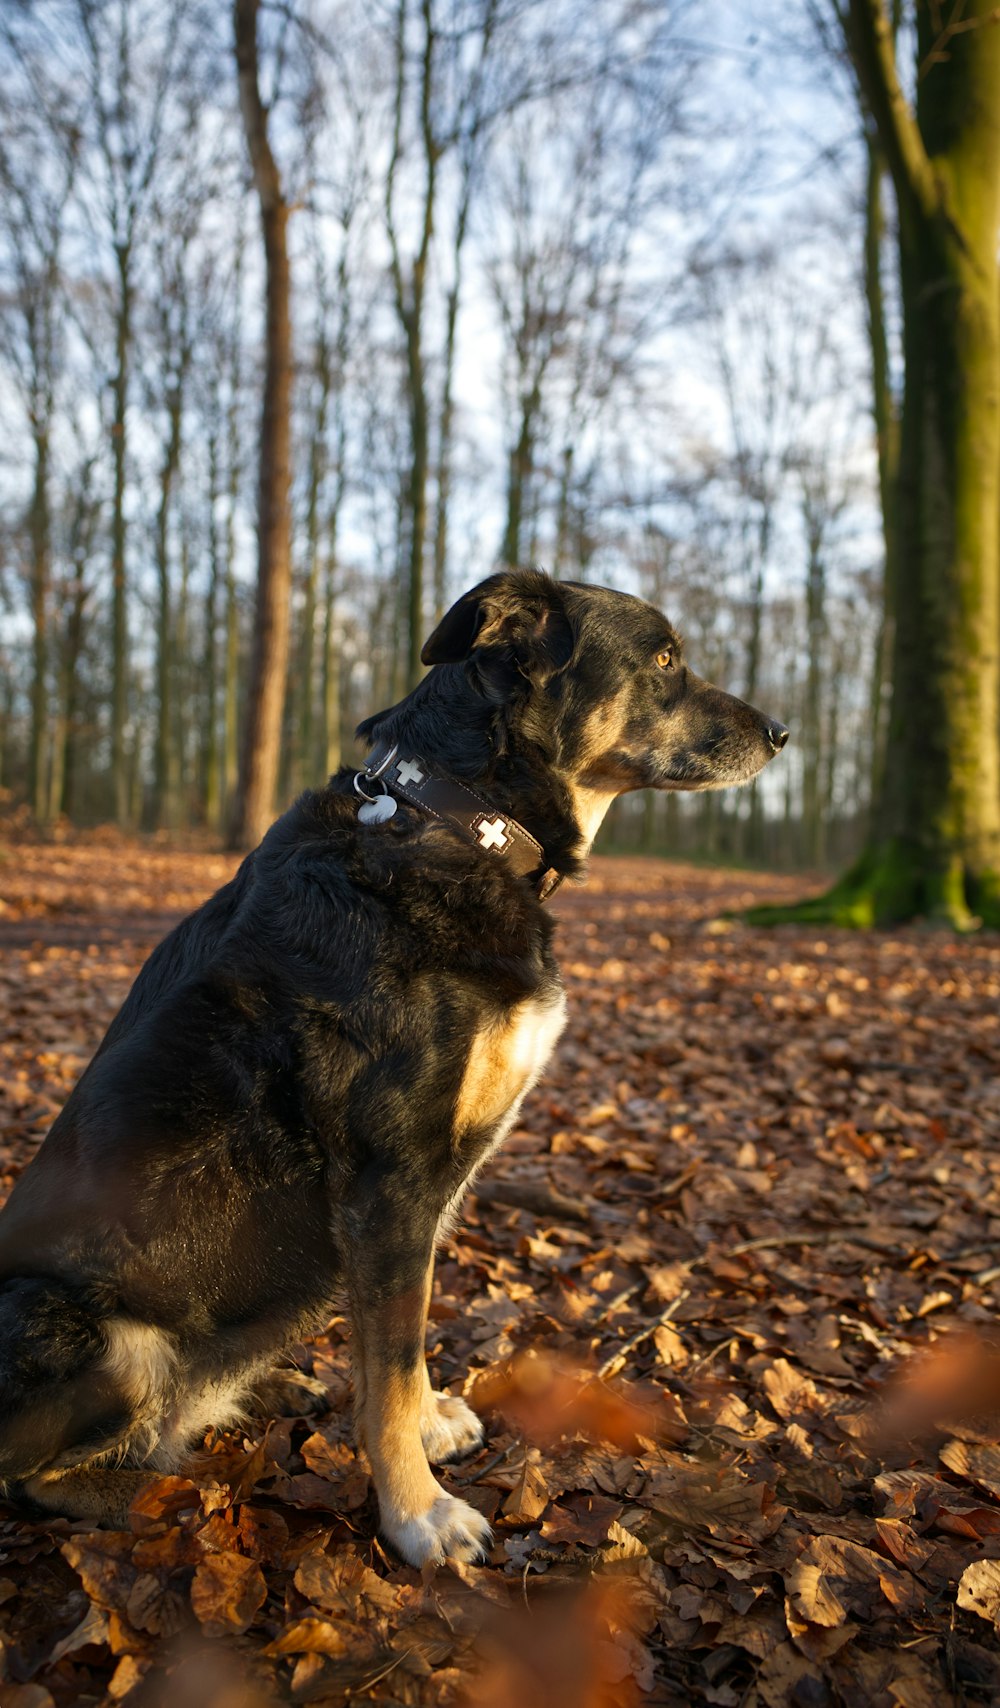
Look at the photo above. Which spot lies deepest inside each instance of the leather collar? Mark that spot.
(410, 778)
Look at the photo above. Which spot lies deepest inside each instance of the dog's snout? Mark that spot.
(777, 735)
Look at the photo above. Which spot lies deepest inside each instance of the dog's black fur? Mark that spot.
(279, 1117)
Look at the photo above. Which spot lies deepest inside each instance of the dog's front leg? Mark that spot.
(417, 1516)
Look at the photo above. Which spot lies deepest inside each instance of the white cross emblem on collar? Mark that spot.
(493, 835)
(409, 772)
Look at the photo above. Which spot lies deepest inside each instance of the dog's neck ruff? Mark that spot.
(410, 778)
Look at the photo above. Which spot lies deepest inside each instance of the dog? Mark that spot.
(310, 1069)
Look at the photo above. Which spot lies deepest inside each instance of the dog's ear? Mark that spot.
(520, 612)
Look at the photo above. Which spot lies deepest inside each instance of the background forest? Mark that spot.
(575, 286)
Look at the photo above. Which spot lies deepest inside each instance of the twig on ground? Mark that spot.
(541, 1200)
(614, 1363)
(490, 1465)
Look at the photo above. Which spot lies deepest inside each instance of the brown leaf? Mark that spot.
(127, 1675)
(903, 1543)
(341, 1583)
(226, 1592)
(330, 1459)
(979, 1590)
(529, 1497)
(582, 1518)
(727, 1505)
(26, 1696)
(163, 1502)
(833, 1577)
(155, 1607)
(791, 1393)
(314, 1635)
(102, 1560)
(979, 1462)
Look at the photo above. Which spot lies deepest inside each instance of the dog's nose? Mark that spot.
(777, 735)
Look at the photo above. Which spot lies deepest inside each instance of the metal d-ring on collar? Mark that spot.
(375, 809)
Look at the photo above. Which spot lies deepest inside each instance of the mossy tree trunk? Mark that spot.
(935, 848)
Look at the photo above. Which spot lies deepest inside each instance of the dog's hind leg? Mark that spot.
(99, 1493)
(418, 1517)
(287, 1393)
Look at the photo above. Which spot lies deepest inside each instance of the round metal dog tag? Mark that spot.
(378, 810)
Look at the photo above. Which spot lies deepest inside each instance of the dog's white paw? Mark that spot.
(450, 1529)
(450, 1430)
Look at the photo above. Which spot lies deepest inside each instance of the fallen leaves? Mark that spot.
(725, 1301)
(979, 1590)
(226, 1591)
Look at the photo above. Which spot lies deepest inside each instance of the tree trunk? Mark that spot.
(178, 769)
(261, 747)
(119, 614)
(445, 436)
(303, 735)
(887, 445)
(40, 533)
(939, 851)
(211, 803)
(166, 807)
(520, 469)
(331, 667)
(812, 721)
(409, 299)
(935, 850)
(64, 769)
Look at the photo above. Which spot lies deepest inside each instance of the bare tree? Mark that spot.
(131, 58)
(40, 125)
(261, 747)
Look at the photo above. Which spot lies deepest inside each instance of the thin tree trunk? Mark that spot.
(166, 808)
(261, 747)
(812, 725)
(40, 571)
(331, 663)
(560, 555)
(445, 437)
(303, 736)
(64, 780)
(211, 802)
(520, 469)
(409, 299)
(887, 446)
(119, 613)
(182, 683)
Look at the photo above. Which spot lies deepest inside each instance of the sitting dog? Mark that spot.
(309, 1070)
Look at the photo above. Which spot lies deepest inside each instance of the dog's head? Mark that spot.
(600, 680)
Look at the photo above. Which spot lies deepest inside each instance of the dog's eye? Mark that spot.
(665, 659)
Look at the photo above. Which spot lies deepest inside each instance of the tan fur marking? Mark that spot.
(505, 1060)
(142, 1359)
(216, 1404)
(392, 1404)
(590, 807)
(416, 1515)
(597, 784)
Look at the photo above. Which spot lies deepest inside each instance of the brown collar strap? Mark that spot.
(411, 779)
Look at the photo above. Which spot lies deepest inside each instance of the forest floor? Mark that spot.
(726, 1301)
